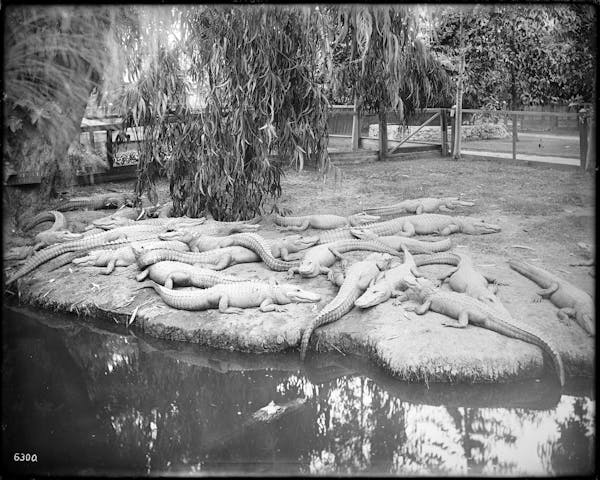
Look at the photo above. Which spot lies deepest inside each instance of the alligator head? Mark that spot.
(383, 260)
(471, 226)
(309, 268)
(292, 293)
(419, 288)
(183, 222)
(362, 218)
(111, 222)
(299, 242)
(90, 259)
(184, 236)
(378, 292)
(57, 236)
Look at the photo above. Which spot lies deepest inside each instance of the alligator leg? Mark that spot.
(225, 308)
(297, 228)
(109, 268)
(268, 306)
(290, 273)
(177, 278)
(566, 313)
(419, 310)
(462, 322)
(222, 263)
(408, 230)
(450, 229)
(546, 292)
(142, 275)
(445, 208)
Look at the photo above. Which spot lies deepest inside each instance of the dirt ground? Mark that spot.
(544, 213)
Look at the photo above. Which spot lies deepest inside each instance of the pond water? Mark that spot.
(91, 398)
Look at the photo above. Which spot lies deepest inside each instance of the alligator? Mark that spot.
(319, 259)
(217, 259)
(107, 200)
(465, 309)
(420, 205)
(279, 248)
(112, 222)
(233, 298)
(52, 237)
(169, 274)
(412, 244)
(464, 278)
(571, 301)
(119, 218)
(424, 224)
(112, 238)
(58, 219)
(353, 283)
(123, 256)
(211, 228)
(387, 283)
(325, 221)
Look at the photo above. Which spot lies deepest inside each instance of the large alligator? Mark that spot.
(420, 205)
(319, 259)
(98, 202)
(571, 301)
(424, 224)
(465, 309)
(217, 259)
(353, 283)
(280, 248)
(124, 256)
(110, 239)
(112, 222)
(412, 244)
(170, 274)
(322, 221)
(233, 298)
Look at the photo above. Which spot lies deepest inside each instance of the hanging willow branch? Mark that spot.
(264, 96)
(390, 69)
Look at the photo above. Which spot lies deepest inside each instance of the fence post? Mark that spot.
(583, 137)
(383, 143)
(109, 149)
(355, 127)
(444, 131)
(452, 130)
(514, 136)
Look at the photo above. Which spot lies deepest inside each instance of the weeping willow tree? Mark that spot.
(155, 96)
(264, 78)
(53, 58)
(381, 59)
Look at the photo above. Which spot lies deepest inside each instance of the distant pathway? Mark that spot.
(524, 157)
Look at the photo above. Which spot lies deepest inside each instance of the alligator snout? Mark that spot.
(303, 296)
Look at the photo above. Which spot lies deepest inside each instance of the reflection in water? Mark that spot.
(89, 400)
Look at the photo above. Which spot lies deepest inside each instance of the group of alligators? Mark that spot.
(174, 252)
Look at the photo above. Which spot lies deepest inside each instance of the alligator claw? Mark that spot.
(536, 299)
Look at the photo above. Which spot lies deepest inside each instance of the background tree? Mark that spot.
(54, 58)
(380, 56)
(521, 54)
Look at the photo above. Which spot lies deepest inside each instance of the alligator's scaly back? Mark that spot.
(359, 276)
(58, 219)
(258, 245)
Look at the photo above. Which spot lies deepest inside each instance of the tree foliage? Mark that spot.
(54, 57)
(380, 57)
(521, 54)
(265, 95)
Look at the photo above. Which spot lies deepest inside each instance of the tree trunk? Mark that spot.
(383, 141)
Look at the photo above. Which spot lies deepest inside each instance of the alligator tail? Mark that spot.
(306, 337)
(437, 258)
(532, 272)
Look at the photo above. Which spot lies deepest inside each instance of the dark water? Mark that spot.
(91, 398)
